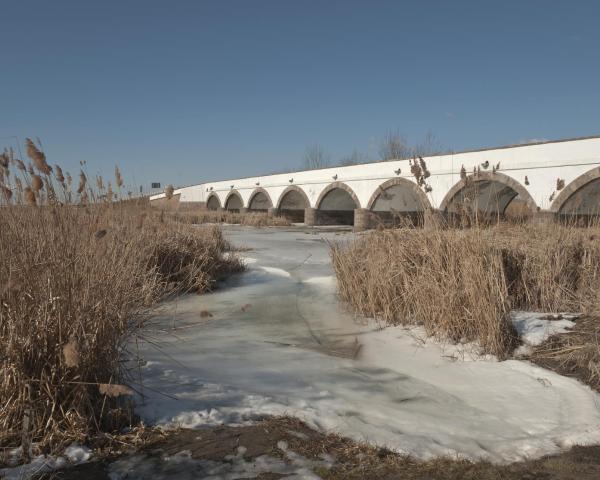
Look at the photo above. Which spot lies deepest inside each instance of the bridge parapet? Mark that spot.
(542, 176)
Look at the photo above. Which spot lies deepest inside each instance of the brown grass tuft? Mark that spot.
(252, 219)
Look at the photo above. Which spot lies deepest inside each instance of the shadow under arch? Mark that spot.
(581, 197)
(397, 201)
(488, 193)
(336, 205)
(260, 200)
(292, 204)
(213, 202)
(234, 202)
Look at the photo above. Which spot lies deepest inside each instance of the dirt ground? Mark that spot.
(352, 460)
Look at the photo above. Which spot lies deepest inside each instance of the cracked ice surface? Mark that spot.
(286, 352)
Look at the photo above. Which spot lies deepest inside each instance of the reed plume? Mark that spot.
(38, 157)
(36, 183)
(6, 192)
(118, 177)
(59, 174)
(30, 197)
(4, 160)
(82, 182)
(20, 165)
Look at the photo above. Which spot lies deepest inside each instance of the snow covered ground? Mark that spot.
(280, 343)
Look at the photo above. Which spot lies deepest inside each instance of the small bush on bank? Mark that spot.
(460, 285)
(79, 275)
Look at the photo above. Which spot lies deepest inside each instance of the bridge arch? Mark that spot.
(398, 197)
(233, 201)
(581, 196)
(260, 200)
(336, 204)
(292, 203)
(213, 202)
(487, 192)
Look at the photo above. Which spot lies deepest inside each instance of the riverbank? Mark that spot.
(281, 447)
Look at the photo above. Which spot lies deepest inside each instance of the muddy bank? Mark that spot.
(282, 447)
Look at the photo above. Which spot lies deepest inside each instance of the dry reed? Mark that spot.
(460, 285)
(253, 219)
(76, 282)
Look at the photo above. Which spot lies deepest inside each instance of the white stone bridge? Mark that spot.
(541, 180)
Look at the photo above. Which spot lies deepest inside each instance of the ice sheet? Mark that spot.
(284, 345)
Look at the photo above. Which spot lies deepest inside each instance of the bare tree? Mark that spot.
(315, 157)
(355, 158)
(429, 146)
(394, 146)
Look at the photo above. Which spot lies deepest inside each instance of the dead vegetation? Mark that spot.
(460, 285)
(574, 354)
(251, 219)
(79, 275)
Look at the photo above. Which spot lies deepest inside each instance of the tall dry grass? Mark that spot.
(80, 272)
(461, 284)
(252, 219)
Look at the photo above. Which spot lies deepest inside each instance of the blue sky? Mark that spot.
(186, 91)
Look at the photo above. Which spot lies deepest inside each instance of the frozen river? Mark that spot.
(279, 342)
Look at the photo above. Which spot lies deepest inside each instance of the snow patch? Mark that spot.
(78, 453)
(275, 271)
(323, 281)
(74, 454)
(535, 328)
